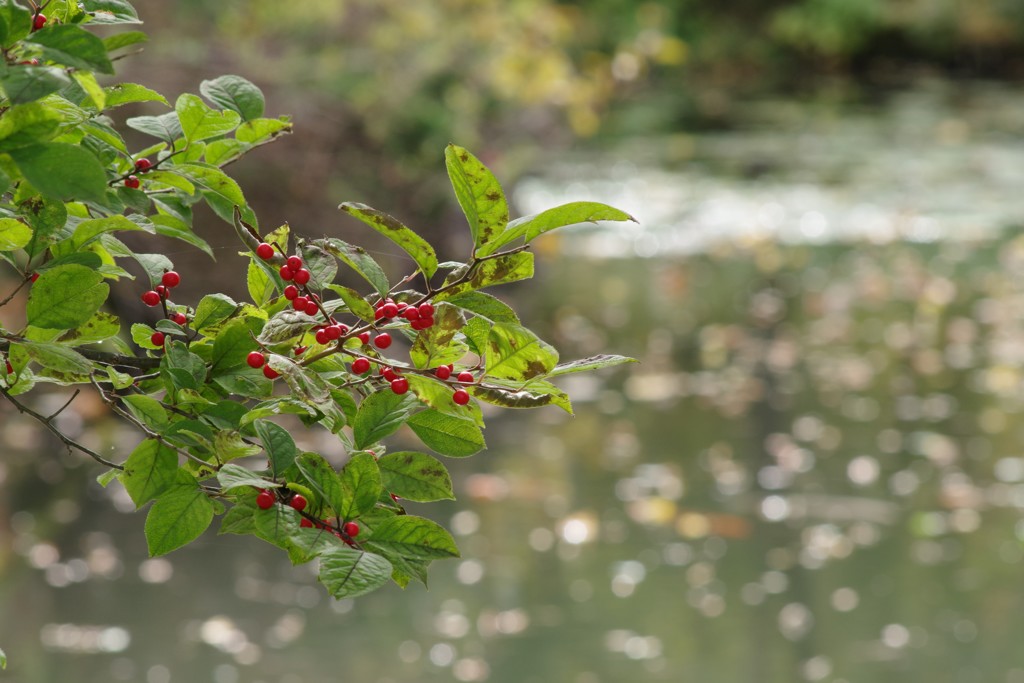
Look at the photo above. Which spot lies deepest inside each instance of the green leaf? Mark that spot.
(433, 346)
(219, 152)
(361, 483)
(62, 171)
(187, 370)
(150, 470)
(25, 125)
(437, 395)
(358, 260)
(305, 384)
(73, 46)
(262, 130)
(167, 127)
(234, 93)
(171, 179)
(514, 352)
(233, 476)
(26, 83)
(324, 480)
(486, 306)
(380, 414)
(446, 434)
(87, 81)
(278, 443)
(200, 122)
(129, 93)
(573, 213)
(147, 410)
(107, 478)
(414, 537)
(538, 393)
(178, 517)
(349, 573)
(497, 271)
(592, 363)
(479, 194)
(16, 20)
(59, 358)
(241, 518)
(261, 284)
(322, 266)
(230, 348)
(169, 226)
(355, 303)
(123, 40)
(416, 476)
(14, 234)
(221, 192)
(65, 297)
(414, 245)
(111, 12)
(100, 327)
(155, 265)
(212, 310)
(90, 230)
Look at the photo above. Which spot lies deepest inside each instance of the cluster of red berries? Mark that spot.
(257, 360)
(141, 166)
(266, 498)
(420, 317)
(293, 271)
(160, 293)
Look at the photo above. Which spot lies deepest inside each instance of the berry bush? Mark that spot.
(216, 386)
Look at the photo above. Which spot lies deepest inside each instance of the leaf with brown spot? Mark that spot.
(479, 194)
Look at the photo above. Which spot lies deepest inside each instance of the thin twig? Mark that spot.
(67, 441)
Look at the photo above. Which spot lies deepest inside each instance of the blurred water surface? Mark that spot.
(815, 474)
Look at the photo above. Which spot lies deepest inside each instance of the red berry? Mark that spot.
(265, 500)
(30, 62)
(360, 365)
(461, 397)
(132, 182)
(178, 318)
(411, 314)
(442, 372)
(400, 385)
(270, 373)
(389, 374)
(255, 359)
(382, 341)
(10, 368)
(294, 262)
(301, 276)
(299, 303)
(378, 313)
(351, 529)
(162, 291)
(402, 306)
(299, 350)
(157, 338)
(285, 272)
(35, 276)
(421, 324)
(364, 337)
(389, 310)
(38, 21)
(333, 332)
(142, 165)
(170, 279)
(298, 502)
(151, 298)
(305, 523)
(465, 376)
(265, 251)
(311, 307)
(290, 292)
(426, 310)
(427, 323)
(322, 338)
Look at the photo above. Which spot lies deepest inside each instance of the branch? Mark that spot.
(66, 440)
